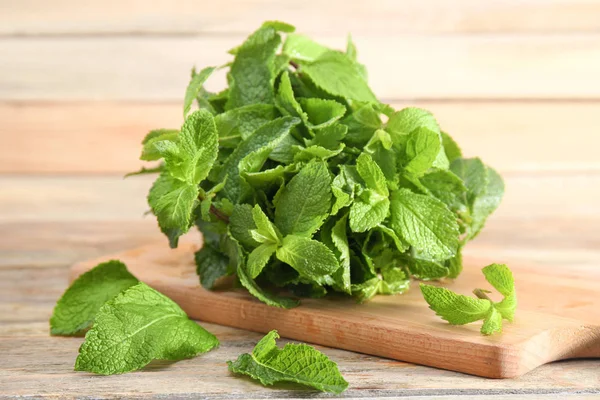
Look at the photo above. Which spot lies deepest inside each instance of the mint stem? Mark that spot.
(480, 293)
(216, 212)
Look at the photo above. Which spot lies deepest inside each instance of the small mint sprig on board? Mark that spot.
(458, 309)
(299, 363)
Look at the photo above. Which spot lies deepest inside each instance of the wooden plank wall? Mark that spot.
(516, 81)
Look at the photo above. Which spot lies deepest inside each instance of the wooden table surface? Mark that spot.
(81, 82)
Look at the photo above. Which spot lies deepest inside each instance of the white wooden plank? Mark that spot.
(241, 16)
(400, 67)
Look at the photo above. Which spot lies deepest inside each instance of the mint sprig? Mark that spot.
(458, 309)
(303, 182)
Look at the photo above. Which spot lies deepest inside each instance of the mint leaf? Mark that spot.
(339, 238)
(501, 278)
(455, 308)
(372, 206)
(486, 204)
(427, 270)
(241, 225)
(194, 88)
(264, 138)
(311, 258)
(285, 100)
(451, 148)
(492, 323)
(172, 202)
(459, 310)
(252, 74)
(75, 310)
(265, 231)
(422, 148)
(259, 257)
(300, 47)
(136, 327)
(211, 265)
(188, 161)
(339, 76)
(149, 151)
(297, 363)
(237, 124)
(425, 223)
(258, 292)
(305, 201)
(321, 113)
(447, 187)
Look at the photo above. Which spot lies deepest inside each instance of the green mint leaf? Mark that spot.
(370, 172)
(351, 48)
(211, 265)
(269, 178)
(455, 308)
(264, 227)
(252, 74)
(427, 270)
(338, 75)
(341, 198)
(484, 205)
(316, 152)
(394, 280)
(279, 26)
(311, 258)
(365, 291)
(501, 278)
(447, 187)
(380, 149)
(422, 148)
(300, 47)
(485, 190)
(149, 151)
(259, 257)
(368, 211)
(408, 119)
(173, 201)
(136, 327)
(474, 174)
(329, 137)
(492, 323)
(451, 148)
(425, 223)
(285, 100)
(194, 88)
(241, 224)
(321, 113)
(454, 265)
(362, 124)
(372, 206)
(75, 310)
(258, 292)
(339, 238)
(305, 201)
(264, 138)
(238, 124)
(297, 363)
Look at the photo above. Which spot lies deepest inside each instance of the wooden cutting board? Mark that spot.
(558, 316)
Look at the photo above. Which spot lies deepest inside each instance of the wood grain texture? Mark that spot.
(104, 137)
(400, 67)
(33, 274)
(382, 16)
(553, 323)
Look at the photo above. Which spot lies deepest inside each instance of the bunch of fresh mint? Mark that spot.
(303, 183)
